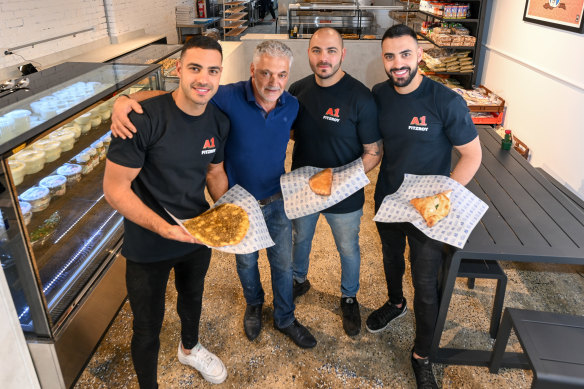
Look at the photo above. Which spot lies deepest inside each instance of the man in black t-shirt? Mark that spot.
(336, 124)
(165, 166)
(420, 121)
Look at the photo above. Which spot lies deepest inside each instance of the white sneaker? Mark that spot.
(207, 363)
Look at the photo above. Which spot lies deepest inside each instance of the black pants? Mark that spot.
(265, 6)
(146, 284)
(426, 263)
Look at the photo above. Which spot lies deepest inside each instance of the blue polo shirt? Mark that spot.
(255, 150)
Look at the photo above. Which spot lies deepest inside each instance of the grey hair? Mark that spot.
(273, 48)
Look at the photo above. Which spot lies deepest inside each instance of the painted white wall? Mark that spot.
(16, 367)
(538, 71)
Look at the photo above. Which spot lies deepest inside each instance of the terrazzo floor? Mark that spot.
(338, 361)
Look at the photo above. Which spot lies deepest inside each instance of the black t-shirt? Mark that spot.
(173, 151)
(419, 130)
(332, 126)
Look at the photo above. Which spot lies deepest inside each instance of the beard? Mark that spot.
(402, 82)
(334, 70)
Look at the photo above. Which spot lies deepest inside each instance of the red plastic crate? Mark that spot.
(497, 118)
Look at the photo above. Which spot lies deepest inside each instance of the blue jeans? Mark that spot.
(345, 229)
(280, 259)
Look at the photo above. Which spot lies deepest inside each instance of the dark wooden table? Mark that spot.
(528, 220)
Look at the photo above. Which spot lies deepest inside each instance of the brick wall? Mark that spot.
(26, 21)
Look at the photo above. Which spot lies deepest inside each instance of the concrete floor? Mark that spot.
(338, 361)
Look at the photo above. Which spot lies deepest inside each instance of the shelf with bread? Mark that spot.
(62, 236)
(235, 18)
(453, 28)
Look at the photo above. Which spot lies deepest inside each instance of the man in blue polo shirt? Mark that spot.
(261, 114)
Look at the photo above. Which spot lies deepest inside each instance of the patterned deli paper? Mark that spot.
(300, 200)
(257, 236)
(465, 212)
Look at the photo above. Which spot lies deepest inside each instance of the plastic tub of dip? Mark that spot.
(38, 197)
(84, 122)
(51, 148)
(84, 160)
(34, 160)
(73, 127)
(17, 169)
(95, 120)
(21, 119)
(26, 210)
(104, 111)
(72, 172)
(99, 147)
(56, 184)
(106, 139)
(65, 137)
(7, 127)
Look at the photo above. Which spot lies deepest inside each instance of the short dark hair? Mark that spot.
(397, 31)
(201, 42)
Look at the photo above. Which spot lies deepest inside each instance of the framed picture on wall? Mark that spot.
(563, 14)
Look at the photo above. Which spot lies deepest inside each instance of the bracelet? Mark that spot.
(123, 94)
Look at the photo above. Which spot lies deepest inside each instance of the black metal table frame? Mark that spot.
(528, 220)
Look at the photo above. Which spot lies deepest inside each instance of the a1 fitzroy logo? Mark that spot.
(209, 146)
(418, 124)
(332, 114)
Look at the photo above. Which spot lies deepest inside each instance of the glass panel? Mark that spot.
(58, 179)
(149, 54)
(34, 110)
(17, 267)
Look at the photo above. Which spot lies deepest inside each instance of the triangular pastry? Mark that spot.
(433, 208)
(322, 182)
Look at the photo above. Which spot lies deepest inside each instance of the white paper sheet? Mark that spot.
(300, 200)
(465, 212)
(257, 236)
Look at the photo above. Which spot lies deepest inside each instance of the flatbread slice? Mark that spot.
(433, 208)
(322, 182)
(224, 225)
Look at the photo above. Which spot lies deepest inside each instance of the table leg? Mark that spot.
(500, 343)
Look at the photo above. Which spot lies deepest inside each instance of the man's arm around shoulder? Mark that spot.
(117, 182)
(121, 124)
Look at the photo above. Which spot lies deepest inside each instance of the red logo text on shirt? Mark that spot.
(209, 146)
(332, 114)
(418, 124)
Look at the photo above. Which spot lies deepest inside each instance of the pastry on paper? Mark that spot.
(322, 182)
(433, 208)
(224, 225)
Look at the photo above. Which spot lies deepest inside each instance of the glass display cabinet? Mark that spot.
(59, 238)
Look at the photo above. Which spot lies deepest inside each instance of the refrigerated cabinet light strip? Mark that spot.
(77, 221)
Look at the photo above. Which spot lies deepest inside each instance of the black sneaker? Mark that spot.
(424, 374)
(351, 315)
(300, 288)
(379, 319)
